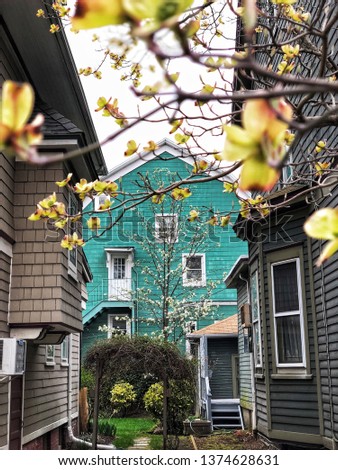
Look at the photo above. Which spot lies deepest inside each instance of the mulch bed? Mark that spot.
(226, 440)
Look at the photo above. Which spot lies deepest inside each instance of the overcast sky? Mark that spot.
(85, 54)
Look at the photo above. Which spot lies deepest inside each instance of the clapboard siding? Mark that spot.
(221, 247)
(46, 387)
(245, 383)
(219, 358)
(5, 268)
(280, 404)
(326, 299)
(75, 358)
(3, 414)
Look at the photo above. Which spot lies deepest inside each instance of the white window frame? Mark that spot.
(190, 282)
(257, 358)
(65, 351)
(110, 323)
(159, 239)
(188, 325)
(299, 312)
(97, 203)
(112, 254)
(50, 355)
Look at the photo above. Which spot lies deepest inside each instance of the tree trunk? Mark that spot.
(96, 404)
(165, 412)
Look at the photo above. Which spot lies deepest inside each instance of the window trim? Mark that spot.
(258, 365)
(128, 257)
(157, 225)
(190, 283)
(65, 359)
(299, 313)
(274, 256)
(128, 323)
(50, 359)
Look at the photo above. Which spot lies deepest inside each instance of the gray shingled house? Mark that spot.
(42, 287)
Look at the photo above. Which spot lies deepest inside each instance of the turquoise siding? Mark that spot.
(221, 249)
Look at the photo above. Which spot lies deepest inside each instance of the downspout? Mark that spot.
(252, 368)
(71, 436)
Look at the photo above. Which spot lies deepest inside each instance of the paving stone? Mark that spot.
(142, 443)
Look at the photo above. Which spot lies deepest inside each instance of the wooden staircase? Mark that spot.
(226, 413)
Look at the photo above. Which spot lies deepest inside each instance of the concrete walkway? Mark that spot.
(141, 443)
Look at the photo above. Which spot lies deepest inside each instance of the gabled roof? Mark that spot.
(229, 326)
(55, 123)
(47, 63)
(240, 268)
(164, 145)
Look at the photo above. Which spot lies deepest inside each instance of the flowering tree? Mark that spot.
(267, 82)
(171, 308)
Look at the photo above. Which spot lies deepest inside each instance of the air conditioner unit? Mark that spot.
(12, 356)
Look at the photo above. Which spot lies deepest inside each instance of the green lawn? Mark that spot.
(128, 429)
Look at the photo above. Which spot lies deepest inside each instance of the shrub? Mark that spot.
(153, 400)
(122, 396)
(105, 427)
(180, 403)
(87, 379)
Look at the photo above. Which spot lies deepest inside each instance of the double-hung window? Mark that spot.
(288, 313)
(194, 270)
(166, 229)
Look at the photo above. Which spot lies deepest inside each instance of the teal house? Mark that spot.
(155, 272)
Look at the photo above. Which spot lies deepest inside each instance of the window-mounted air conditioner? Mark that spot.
(12, 356)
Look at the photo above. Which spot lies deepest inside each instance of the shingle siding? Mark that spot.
(42, 290)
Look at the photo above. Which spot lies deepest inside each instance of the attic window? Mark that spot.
(166, 228)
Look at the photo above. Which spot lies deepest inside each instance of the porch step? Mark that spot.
(226, 414)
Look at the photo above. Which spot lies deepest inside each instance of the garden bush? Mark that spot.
(123, 396)
(180, 403)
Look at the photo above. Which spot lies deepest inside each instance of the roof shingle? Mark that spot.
(227, 326)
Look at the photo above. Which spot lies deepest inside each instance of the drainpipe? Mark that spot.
(252, 368)
(71, 436)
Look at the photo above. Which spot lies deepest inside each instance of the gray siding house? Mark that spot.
(216, 349)
(237, 278)
(294, 327)
(42, 287)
